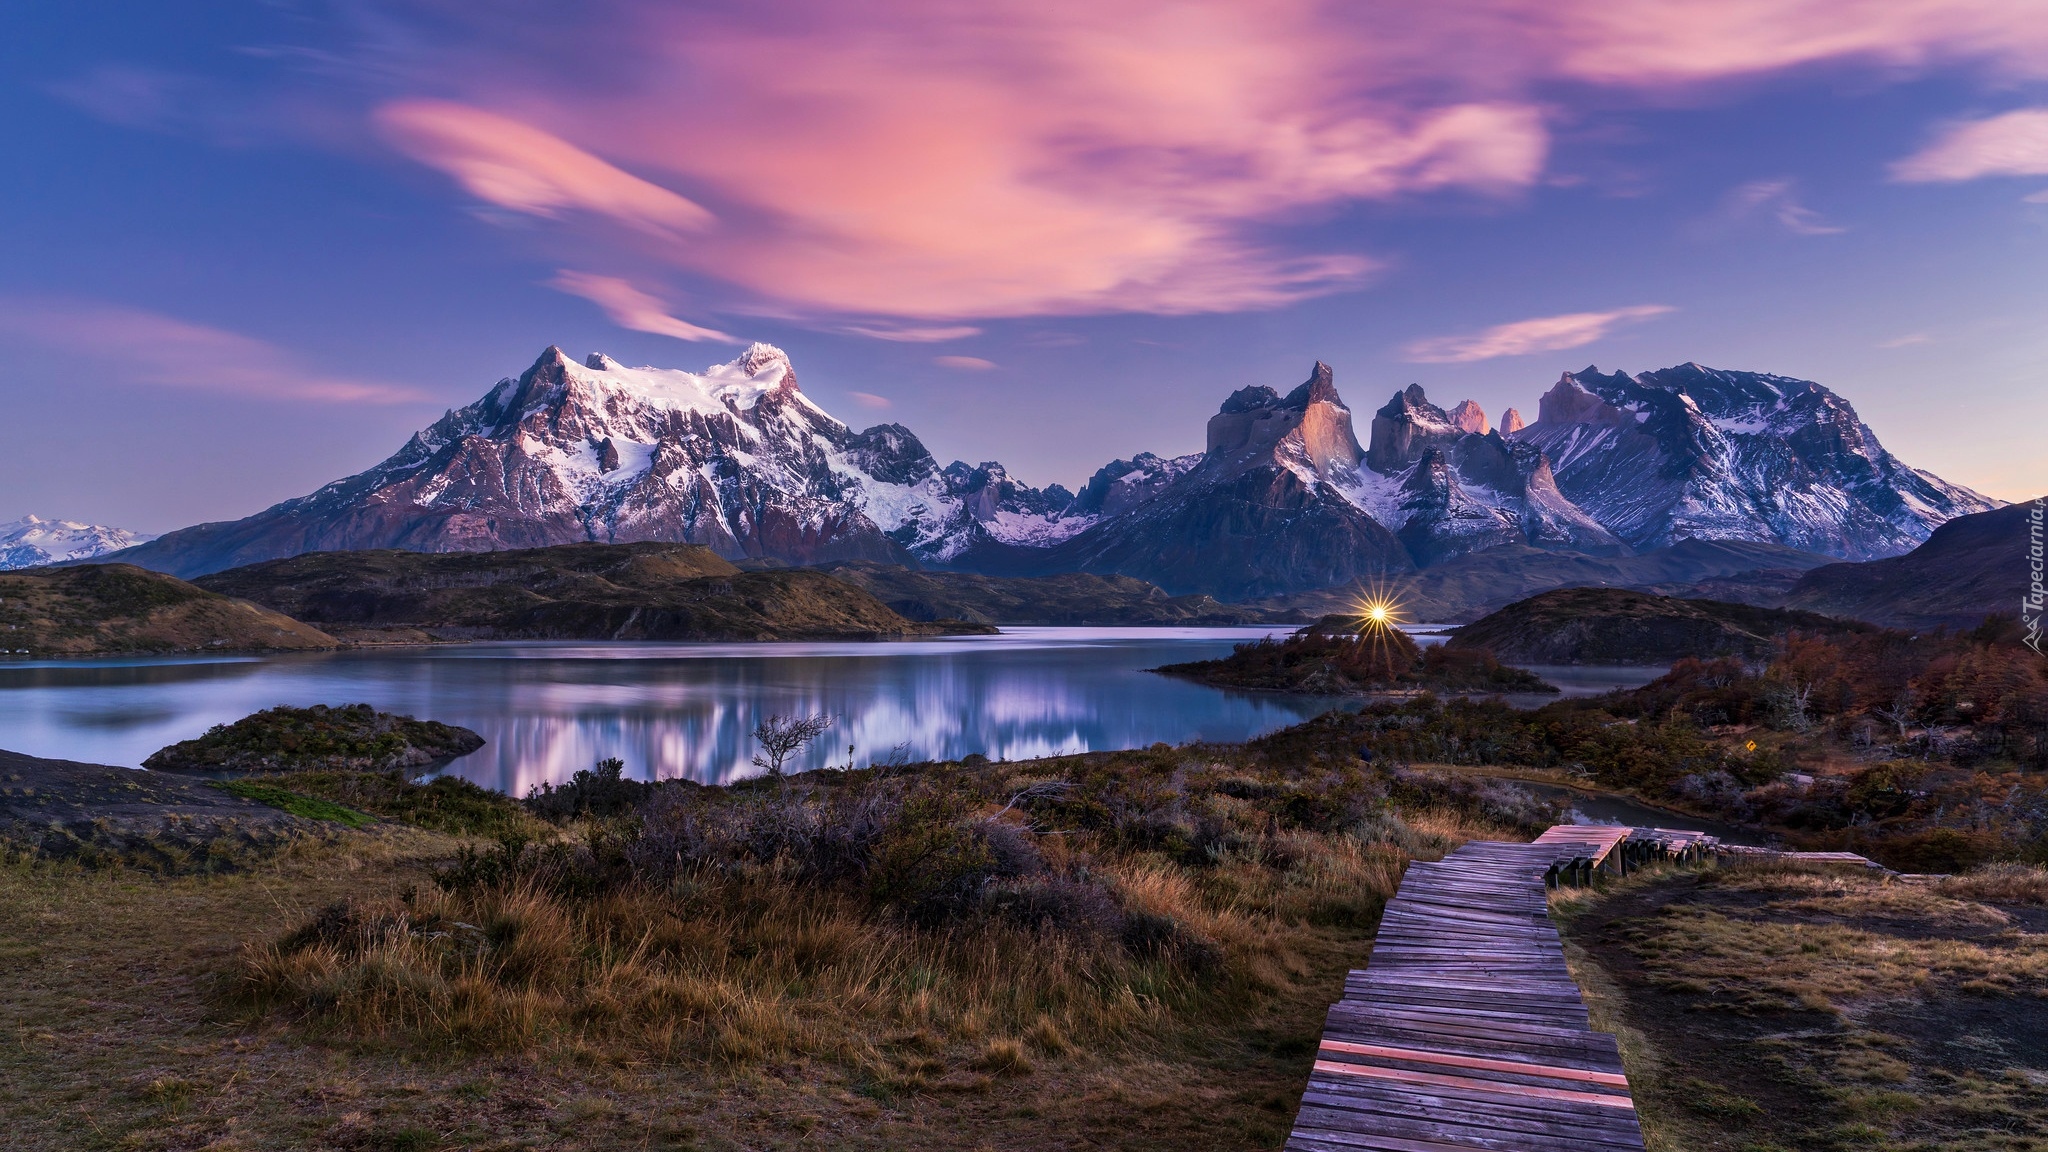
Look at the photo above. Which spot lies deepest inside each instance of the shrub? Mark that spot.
(604, 792)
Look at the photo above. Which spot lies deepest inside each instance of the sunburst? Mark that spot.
(1378, 610)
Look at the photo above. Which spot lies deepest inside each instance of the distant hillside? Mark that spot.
(569, 592)
(1470, 586)
(1076, 598)
(1971, 567)
(1619, 626)
(101, 609)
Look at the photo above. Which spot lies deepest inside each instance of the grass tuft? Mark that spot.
(296, 803)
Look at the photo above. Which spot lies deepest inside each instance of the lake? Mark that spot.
(669, 710)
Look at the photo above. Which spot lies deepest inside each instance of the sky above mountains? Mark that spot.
(254, 246)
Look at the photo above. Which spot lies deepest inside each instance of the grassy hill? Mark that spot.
(106, 609)
(1073, 598)
(571, 592)
(1619, 626)
(1971, 567)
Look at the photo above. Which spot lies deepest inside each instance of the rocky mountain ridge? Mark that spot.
(1282, 499)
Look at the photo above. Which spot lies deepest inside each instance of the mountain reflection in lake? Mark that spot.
(676, 709)
(690, 709)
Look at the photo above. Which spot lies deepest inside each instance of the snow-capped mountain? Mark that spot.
(1693, 452)
(32, 541)
(736, 458)
(1282, 498)
(1274, 503)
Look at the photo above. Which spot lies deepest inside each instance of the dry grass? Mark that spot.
(1770, 1007)
(717, 1009)
(725, 973)
(1999, 884)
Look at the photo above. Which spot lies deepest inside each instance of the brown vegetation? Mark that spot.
(568, 592)
(102, 609)
(1768, 1008)
(1126, 950)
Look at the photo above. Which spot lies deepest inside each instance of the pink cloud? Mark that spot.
(517, 166)
(1522, 337)
(631, 308)
(934, 164)
(150, 349)
(2014, 144)
(965, 363)
(1656, 42)
(870, 400)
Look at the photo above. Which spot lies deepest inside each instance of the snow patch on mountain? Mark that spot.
(32, 541)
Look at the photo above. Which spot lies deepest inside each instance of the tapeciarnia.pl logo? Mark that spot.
(2031, 603)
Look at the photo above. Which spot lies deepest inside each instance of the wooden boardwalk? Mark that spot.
(1466, 1030)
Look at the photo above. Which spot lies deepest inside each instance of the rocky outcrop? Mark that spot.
(1470, 417)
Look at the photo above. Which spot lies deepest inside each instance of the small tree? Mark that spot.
(781, 737)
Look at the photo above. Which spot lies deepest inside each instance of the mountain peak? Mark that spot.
(1320, 387)
(758, 357)
(1470, 417)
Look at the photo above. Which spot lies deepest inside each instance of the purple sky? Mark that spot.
(252, 247)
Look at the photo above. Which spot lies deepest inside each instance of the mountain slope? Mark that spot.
(33, 541)
(1970, 567)
(736, 458)
(1692, 452)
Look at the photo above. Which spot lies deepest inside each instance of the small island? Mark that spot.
(352, 738)
(1364, 654)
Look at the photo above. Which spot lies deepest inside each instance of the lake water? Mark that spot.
(688, 710)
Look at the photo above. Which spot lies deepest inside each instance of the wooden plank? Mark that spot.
(1465, 1030)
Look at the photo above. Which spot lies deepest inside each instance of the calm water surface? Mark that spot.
(675, 709)
(686, 709)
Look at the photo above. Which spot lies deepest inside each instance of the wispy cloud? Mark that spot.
(870, 400)
(1775, 200)
(515, 165)
(629, 307)
(912, 333)
(2013, 144)
(1522, 337)
(136, 347)
(965, 363)
(1906, 341)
